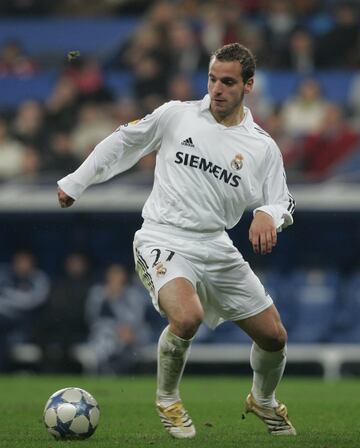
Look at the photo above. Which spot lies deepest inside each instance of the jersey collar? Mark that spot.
(248, 121)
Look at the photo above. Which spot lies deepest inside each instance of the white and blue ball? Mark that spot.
(71, 413)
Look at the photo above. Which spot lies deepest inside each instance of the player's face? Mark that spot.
(227, 89)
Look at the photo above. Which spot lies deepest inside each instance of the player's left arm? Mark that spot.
(278, 204)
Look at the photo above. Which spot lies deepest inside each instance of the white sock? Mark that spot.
(172, 355)
(268, 370)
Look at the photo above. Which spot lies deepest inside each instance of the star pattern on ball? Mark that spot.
(71, 413)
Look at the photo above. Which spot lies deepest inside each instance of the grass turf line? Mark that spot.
(325, 414)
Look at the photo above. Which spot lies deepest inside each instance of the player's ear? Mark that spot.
(249, 85)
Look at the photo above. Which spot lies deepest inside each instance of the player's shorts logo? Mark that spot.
(237, 162)
(160, 269)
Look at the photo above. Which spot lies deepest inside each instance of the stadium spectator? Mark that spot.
(145, 42)
(84, 8)
(149, 79)
(299, 53)
(354, 102)
(279, 22)
(274, 124)
(115, 313)
(26, 8)
(186, 52)
(28, 125)
(60, 157)
(328, 145)
(130, 7)
(259, 101)
(305, 9)
(32, 166)
(88, 78)
(93, 123)
(236, 26)
(23, 291)
(11, 153)
(224, 22)
(149, 62)
(162, 14)
(125, 110)
(212, 29)
(14, 61)
(304, 112)
(180, 87)
(340, 46)
(63, 321)
(62, 105)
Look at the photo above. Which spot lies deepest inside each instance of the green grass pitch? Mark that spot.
(326, 414)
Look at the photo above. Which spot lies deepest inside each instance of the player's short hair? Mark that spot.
(237, 52)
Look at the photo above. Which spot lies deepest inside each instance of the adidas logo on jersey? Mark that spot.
(188, 142)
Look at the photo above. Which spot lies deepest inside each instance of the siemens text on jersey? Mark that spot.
(202, 164)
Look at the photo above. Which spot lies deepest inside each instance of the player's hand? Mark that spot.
(262, 233)
(64, 200)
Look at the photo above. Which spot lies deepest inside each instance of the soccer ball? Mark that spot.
(71, 413)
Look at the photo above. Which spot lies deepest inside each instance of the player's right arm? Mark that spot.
(115, 154)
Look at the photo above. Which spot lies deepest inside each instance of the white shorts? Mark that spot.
(226, 285)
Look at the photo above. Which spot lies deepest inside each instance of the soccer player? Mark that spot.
(212, 161)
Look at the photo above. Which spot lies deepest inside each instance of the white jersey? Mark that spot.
(206, 174)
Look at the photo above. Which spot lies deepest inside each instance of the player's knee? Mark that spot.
(187, 326)
(274, 342)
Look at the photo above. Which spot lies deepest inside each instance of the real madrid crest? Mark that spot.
(237, 162)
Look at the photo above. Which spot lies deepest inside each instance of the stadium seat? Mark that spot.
(314, 293)
(156, 322)
(271, 280)
(203, 335)
(14, 90)
(275, 285)
(119, 82)
(199, 83)
(335, 84)
(228, 333)
(347, 328)
(26, 354)
(54, 38)
(348, 170)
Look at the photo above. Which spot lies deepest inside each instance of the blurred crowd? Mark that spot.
(42, 141)
(77, 320)
(100, 320)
